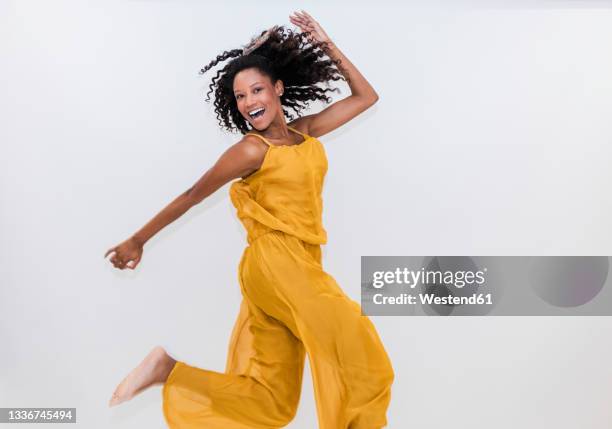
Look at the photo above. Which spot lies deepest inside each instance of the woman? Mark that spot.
(291, 307)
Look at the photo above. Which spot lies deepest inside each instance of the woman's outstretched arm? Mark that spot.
(362, 95)
(239, 160)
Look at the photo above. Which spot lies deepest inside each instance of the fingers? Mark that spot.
(306, 23)
(117, 262)
(304, 27)
(112, 249)
(311, 23)
(307, 15)
(134, 263)
(123, 258)
(308, 18)
(299, 18)
(121, 264)
(116, 259)
(297, 21)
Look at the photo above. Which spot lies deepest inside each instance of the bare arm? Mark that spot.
(362, 95)
(239, 160)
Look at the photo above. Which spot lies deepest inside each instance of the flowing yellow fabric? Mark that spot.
(291, 308)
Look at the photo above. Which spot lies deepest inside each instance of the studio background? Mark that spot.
(491, 137)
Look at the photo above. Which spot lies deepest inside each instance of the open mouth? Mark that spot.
(258, 113)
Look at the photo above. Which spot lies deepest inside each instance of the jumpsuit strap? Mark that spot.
(261, 137)
(306, 136)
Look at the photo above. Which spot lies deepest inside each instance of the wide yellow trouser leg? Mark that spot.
(291, 306)
(260, 388)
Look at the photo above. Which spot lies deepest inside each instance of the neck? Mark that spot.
(277, 130)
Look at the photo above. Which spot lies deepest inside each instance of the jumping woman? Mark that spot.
(290, 306)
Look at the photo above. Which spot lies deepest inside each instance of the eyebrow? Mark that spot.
(253, 84)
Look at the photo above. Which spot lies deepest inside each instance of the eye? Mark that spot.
(258, 89)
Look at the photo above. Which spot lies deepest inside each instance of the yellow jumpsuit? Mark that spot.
(290, 308)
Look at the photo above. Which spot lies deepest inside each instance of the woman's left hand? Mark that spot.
(308, 24)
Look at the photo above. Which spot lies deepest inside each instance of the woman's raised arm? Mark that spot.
(362, 95)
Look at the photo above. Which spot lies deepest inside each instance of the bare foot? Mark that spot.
(154, 369)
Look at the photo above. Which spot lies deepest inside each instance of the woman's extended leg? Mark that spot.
(260, 387)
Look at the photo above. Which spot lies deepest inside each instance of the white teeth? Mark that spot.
(255, 111)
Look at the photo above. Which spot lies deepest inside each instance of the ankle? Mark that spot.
(167, 366)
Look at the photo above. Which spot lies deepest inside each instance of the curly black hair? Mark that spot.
(292, 57)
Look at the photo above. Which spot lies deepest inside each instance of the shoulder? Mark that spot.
(249, 142)
(242, 158)
(250, 147)
(249, 151)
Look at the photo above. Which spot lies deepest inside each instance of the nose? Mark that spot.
(251, 100)
(250, 103)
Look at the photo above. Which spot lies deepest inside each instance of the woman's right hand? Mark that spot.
(128, 251)
(309, 25)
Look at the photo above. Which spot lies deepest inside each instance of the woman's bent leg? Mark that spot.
(260, 387)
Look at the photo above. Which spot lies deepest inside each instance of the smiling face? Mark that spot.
(253, 92)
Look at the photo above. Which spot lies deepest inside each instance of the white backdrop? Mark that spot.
(491, 137)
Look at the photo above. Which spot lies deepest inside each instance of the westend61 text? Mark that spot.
(429, 298)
